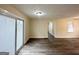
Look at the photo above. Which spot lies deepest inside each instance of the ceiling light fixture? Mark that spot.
(39, 13)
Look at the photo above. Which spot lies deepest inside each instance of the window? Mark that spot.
(50, 27)
(70, 26)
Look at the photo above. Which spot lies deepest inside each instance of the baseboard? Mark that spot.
(38, 38)
(67, 37)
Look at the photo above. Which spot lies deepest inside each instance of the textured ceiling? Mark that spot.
(53, 11)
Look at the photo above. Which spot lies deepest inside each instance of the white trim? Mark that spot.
(7, 13)
(32, 36)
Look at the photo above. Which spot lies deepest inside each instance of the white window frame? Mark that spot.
(70, 28)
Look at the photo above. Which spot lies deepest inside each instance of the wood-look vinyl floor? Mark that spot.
(56, 47)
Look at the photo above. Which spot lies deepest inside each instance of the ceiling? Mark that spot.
(53, 11)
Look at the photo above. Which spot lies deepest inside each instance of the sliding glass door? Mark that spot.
(20, 36)
(11, 34)
(7, 34)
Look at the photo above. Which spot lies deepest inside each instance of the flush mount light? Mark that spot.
(39, 13)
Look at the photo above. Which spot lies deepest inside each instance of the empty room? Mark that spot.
(39, 29)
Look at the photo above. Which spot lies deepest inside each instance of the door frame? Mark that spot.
(17, 51)
(15, 18)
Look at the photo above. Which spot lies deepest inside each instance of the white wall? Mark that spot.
(61, 29)
(39, 28)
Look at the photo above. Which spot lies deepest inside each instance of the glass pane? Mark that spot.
(19, 34)
(70, 27)
(50, 29)
(7, 34)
